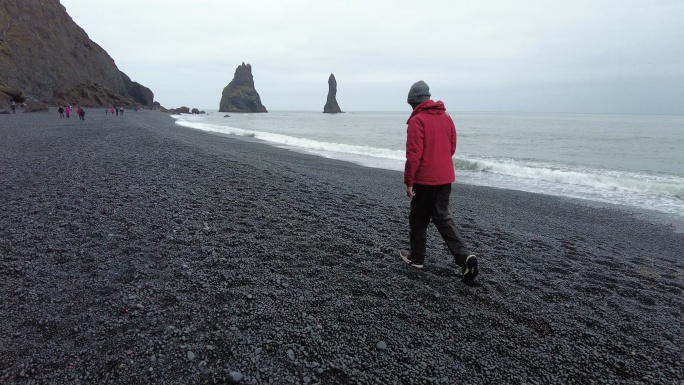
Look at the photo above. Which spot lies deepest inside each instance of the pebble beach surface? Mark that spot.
(136, 251)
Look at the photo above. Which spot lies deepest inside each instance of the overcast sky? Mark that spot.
(589, 56)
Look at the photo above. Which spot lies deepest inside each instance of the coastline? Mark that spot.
(128, 239)
(485, 157)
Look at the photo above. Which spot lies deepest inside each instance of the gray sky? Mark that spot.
(593, 56)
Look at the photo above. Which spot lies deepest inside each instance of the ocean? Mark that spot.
(635, 161)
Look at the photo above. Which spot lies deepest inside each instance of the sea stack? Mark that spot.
(240, 95)
(331, 106)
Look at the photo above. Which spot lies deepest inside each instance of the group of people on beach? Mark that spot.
(118, 110)
(65, 111)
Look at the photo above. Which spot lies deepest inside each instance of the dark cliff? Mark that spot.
(331, 106)
(45, 55)
(240, 95)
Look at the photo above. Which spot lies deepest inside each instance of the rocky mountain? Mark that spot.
(331, 106)
(239, 95)
(45, 57)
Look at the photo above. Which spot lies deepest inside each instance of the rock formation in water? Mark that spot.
(331, 106)
(179, 110)
(239, 95)
(45, 57)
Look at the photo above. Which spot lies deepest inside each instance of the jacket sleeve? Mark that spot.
(453, 138)
(414, 150)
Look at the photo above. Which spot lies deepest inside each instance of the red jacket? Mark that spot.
(430, 144)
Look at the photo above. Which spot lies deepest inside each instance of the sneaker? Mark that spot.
(470, 269)
(406, 256)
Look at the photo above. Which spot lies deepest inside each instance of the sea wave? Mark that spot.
(300, 143)
(672, 186)
(663, 193)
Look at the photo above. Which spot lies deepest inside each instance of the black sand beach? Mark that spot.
(135, 251)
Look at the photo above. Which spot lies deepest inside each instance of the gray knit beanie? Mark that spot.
(418, 93)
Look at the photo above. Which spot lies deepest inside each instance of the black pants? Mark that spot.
(432, 202)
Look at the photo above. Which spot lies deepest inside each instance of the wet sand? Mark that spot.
(136, 251)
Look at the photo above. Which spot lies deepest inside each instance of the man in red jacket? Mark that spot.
(428, 174)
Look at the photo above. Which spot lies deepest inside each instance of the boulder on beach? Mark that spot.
(240, 95)
(36, 107)
(331, 106)
(179, 110)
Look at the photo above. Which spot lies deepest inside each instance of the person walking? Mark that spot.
(14, 106)
(61, 111)
(428, 175)
(67, 111)
(81, 113)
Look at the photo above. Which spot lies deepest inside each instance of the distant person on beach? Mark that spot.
(117, 111)
(14, 106)
(67, 111)
(106, 111)
(112, 110)
(121, 111)
(428, 175)
(81, 113)
(61, 111)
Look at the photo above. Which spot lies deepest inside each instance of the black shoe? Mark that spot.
(470, 269)
(406, 256)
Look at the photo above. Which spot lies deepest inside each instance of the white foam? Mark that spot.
(309, 145)
(664, 193)
(610, 180)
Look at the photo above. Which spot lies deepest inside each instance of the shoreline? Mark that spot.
(667, 219)
(593, 185)
(139, 251)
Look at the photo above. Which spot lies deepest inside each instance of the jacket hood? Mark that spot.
(430, 107)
